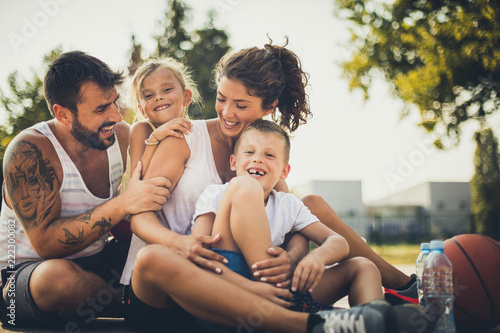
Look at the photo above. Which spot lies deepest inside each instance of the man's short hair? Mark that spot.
(69, 72)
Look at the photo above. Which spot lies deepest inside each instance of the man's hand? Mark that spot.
(145, 195)
(277, 270)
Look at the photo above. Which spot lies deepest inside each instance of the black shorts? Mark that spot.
(142, 317)
(17, 306)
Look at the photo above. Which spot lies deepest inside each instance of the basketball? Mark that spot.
(476, 281)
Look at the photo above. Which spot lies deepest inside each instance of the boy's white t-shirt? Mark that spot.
(286, 213)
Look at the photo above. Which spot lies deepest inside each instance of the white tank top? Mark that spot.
(176, 214)
(75, 200)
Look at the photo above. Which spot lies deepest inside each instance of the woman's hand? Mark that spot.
(191, 247)
(274, 294)
(308, 273)
(277, 270)
(177, 127)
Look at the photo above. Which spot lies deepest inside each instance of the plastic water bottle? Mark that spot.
(438, 287)
(425, 250)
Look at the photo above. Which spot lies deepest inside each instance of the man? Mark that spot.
(60, 201)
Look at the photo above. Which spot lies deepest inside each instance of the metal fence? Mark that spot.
(409, 230)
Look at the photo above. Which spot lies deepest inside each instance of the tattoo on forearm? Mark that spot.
(30, 183)
(86, 217)
(104, 226)
(72, 240)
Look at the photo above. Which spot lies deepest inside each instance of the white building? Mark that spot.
(437, 198)
(344, 196)
(444, 205)
(439, 209)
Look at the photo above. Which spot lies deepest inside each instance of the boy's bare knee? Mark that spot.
(244, 187)
(312, 199)
(362, 264)
(316, 204)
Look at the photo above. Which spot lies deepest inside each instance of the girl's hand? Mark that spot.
(277, 270)
(279, 296)
(191, 247)
(308, 273)
(177, 127)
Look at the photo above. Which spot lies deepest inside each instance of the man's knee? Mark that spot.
(55, 274)
(59, 282)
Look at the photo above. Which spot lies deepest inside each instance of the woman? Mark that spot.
(252, 84)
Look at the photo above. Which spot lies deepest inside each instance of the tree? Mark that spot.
(200, 50)
(442, 57)
(209, 45)
(135, 57)
(174, 41)
(485, 185)
(25, 105)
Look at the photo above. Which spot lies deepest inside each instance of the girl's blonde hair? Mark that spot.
(181, 72)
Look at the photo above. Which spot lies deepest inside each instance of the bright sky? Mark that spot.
(347, 139)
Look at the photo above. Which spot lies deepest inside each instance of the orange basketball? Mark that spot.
(476, 281)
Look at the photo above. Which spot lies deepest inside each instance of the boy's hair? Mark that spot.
(267, 126)
(67, 74)
(180, 71)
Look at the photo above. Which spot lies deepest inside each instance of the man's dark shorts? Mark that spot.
(17, 306)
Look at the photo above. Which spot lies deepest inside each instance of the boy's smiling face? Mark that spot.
(261, 156)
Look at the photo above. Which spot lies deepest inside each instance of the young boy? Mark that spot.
(250, 216)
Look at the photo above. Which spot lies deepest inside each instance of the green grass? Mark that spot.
(398, 254)
(394, 254)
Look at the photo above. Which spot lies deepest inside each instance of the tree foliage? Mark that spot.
(200, 50)
(25, 104)
(442, 57)
(485, 185)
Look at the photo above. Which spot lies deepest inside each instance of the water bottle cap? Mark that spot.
(425, 246)
(437, 245)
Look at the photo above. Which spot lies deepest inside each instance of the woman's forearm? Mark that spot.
(147, 227)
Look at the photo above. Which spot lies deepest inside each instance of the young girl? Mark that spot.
(161, 89)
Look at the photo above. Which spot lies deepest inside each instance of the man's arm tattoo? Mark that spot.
(72, 240)
(104, 226)
(30, 183)
(86, 217)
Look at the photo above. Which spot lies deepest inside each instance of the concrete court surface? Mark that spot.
(105, 325)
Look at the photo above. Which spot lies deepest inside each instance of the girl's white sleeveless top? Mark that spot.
(176, 214)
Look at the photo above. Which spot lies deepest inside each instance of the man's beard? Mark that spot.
(89, 138)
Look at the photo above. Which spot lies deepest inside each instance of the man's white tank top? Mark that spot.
(75, 197)
(176, 214)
